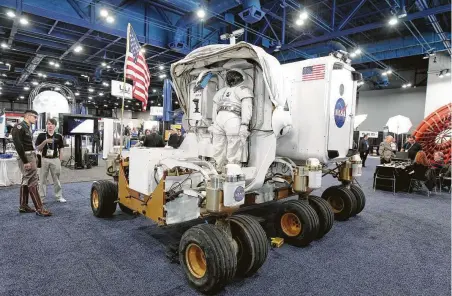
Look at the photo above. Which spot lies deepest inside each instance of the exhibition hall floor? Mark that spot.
(398, 245)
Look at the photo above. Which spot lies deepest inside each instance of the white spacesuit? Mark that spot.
(232, 111)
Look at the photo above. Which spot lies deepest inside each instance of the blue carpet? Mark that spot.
(399, 245)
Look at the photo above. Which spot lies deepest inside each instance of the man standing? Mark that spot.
(50, 144)
(364, 149)
(96, 142)
(127, 137)
(385, 150)
(412, 147)
(23, 142)
(175, 138)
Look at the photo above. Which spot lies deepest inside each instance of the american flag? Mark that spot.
(315, 72)
(136, 68)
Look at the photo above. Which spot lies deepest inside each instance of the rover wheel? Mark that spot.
(360, 198)
(103, 198)
(342, 202)
(207, 257)
(252, 244)
(325, 213)
(297, 223)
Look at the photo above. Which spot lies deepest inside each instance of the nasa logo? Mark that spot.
(239, 193)
(340, 113)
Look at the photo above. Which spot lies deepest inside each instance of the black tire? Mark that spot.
(125, 209)
(297, 223)
(325, 213)
(252, 244)
(216, 257)
(104, 204)
(360, 198)
(341, 200)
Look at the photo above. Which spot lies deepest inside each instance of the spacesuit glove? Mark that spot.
(244, 133)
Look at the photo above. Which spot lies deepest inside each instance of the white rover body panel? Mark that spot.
(321, 96)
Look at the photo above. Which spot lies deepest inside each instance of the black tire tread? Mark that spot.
(348, 198)
(220, 257)
(108, 194)
(360, 197)
(259, 243)
(308, 217)
(325, 213)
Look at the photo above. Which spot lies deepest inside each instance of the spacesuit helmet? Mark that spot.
(233, 78)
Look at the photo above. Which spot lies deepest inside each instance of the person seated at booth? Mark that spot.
(420, 166)
(438, 160)
(151, 139)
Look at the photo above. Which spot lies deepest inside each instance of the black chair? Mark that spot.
(418, 185)
(385, 173)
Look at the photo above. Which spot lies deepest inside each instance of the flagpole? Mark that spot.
(121, 138)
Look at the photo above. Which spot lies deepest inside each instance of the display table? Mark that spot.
(401, 175)
(9, 172)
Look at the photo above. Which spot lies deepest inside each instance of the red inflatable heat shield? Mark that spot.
(434, 133)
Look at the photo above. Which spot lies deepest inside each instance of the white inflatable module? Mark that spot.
(321, 96)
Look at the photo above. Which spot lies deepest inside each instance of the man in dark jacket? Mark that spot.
(175, 139)
(412, 147)
(364, 149)
(153, 139)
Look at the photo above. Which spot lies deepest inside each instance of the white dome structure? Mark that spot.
(51, 102)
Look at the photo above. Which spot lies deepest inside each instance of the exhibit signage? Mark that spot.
(369, 134)
(156, 111)
(117, 89)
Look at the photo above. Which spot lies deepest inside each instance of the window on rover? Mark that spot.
(338, 66)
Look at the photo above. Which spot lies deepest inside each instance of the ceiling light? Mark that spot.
(153, 90)
(441, 74)
(447, 72)
(22, 97)
(108, 66)
(35, 83)
(408, 85)
(358, 51)
(1, 63)
(299, 22)
(4, 45)
(103, 13)
(104, 84)
(110, 19)
(78, 48)
(57, 89)
(353, 55)
(26, 88)
(67, 83)
(0, 92)
(40, 74)
(105, 105)
(384, 74)
(389, 71)
(104, 64)
(52, 63)
(426, 56)
(304, 15)
(1, 88)
(162, 76)
(201, 13)
(23, 21)
(161, 67)
(11, 14)
(101, 94)
(77, 94)
(90, 90)
(44, 75)
(57, 65)
(143, 50)
(402, 12)
(8, 64)
(393, 21)
(4, 75)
